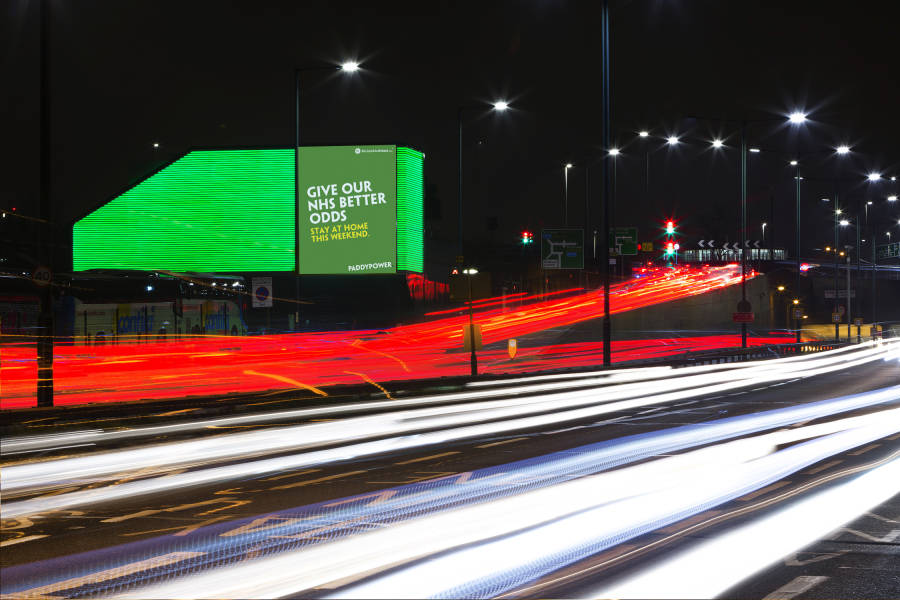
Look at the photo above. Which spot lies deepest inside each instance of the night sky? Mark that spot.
(126, 74)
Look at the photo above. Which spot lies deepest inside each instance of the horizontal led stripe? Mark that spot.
(211, 210)
(410, 195)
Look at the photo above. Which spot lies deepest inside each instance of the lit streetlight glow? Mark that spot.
(501, 105)
(843, 149)
(672, 140)
(754, 150)
(794, 163)
(717, 143)
(643, 133)
(350, 66)
(874, 176)
(844, 222)
(614, 152)
(568, 165)
(892, 198)
(797, 118)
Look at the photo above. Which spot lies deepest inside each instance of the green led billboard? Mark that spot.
(410, 216)
(348, 209)
(211, 210)
(360, 211)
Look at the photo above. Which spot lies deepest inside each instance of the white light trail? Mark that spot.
(499, 544)
(568, 406)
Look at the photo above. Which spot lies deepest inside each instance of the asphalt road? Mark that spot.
(177, 515)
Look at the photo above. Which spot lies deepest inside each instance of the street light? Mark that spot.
(797, 117)
(844, 222)
(754, 150)
(717, 143)
(874, 176)
(566, 179)
(614, 152)
(499, 106)
(473, 358)
(892, 198)
(346, 67)
(643, 134)
(793, 163)
(672, 140)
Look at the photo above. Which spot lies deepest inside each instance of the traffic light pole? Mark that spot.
(796, 320)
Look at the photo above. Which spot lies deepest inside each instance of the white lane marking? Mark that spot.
(890, 537)
(109, 574)
(880, 518)
(27, 538)
(795, 561)
(796, 586)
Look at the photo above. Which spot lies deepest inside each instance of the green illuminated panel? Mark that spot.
(211, 210)
(410, 198)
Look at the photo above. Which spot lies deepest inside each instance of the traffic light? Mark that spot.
(670, 248)
(527, 238)
(670, 227)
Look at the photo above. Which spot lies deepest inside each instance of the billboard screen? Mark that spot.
(347, 209)
(211, 210)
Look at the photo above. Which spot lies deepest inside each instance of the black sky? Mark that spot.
(125, 74)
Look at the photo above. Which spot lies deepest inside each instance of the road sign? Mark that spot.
(262, 292)
(624, 240)
(742, 317)
(798, 313)
(562, 248)
(647, 246)
(42, 276)
(841, 293)
(887, 251)
(512, 347)
(858, 322)
(835, 317)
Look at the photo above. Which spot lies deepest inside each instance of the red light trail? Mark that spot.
(212, 366)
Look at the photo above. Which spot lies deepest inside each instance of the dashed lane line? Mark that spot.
(795, 586)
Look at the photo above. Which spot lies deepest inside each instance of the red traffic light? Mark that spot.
(670, 227)
(527, 237)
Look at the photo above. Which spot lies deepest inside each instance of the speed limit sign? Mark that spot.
(42, 276)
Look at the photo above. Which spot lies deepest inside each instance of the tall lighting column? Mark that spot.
(604, 167)
(345, 67)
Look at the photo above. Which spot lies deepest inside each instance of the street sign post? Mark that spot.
(262, 292)
(888, 251)
(835, 317)
(624, 240)
(562, 248)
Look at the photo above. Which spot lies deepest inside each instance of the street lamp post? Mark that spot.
(566, 192)
(346, 67)
(499, 106)
(837, 325)
(605, 133)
